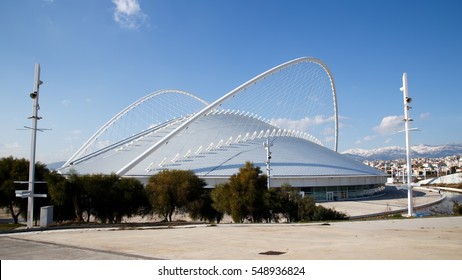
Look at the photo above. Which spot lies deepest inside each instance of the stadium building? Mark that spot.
(283, 121)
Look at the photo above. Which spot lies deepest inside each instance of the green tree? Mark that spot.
(202, 209)
(108, 198)
(99, 194)
(327, 214)
(129, 199)
(62, 197)
(73, 195)
(288, 202)
(11, 170)
(220, 198)
(172, 191)
(307, 209)
(284, 201)
(245, 196)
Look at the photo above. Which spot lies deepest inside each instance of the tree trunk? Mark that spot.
(13, 215)
(78, 212)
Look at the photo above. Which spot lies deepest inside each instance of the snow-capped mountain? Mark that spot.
(395, 152)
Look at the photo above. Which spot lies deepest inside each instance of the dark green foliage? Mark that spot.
(201, 209)
(245, 196)
(284, 201)
(172, 191)
(108, 198)
(130, 199)
(59, 189)
(12, 169)
(220, 198)
(290, 204)
(457, 208)
(328, 214)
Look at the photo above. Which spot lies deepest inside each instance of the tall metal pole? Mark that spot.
(407, 119)
(35, 107)
(267, 146)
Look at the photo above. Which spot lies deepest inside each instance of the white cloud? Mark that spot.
(14, 145)
(390, 125)
(301, 124)
(365, 139)
(369, 137)
(329, 139)
(128, 13)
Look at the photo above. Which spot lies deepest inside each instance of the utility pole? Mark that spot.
(35, 107)
(407, 119)
(29, 194)
(267, 146)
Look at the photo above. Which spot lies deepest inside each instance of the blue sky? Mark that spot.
(97, 57)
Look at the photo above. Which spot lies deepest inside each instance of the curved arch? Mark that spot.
(230, 94)
(114, 119)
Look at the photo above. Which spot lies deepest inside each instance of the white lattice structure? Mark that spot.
(293, 105)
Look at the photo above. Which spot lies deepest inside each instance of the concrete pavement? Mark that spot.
(416, 238)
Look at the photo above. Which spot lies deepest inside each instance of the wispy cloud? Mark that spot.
(301, 124)
(73, 135)
(389, 125)
(128, 13)
(365, 139)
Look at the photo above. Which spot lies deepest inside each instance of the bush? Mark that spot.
(457, 208)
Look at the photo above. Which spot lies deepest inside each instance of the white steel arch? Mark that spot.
(231, 94)
(132, 106)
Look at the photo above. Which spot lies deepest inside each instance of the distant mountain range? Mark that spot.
(395, 152)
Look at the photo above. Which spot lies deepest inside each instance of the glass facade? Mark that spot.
(342, 192)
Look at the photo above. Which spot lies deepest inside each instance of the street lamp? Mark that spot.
(29, 194)
(407, 119)
(267, 144)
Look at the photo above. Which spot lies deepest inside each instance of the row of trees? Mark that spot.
(110, 198)
(11, 171)
(246, 197)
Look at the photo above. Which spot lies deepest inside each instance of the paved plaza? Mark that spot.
(418, 238)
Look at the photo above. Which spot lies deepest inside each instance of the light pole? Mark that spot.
(267, 146)
(29, 193)
(35, 107)
(406, 120)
